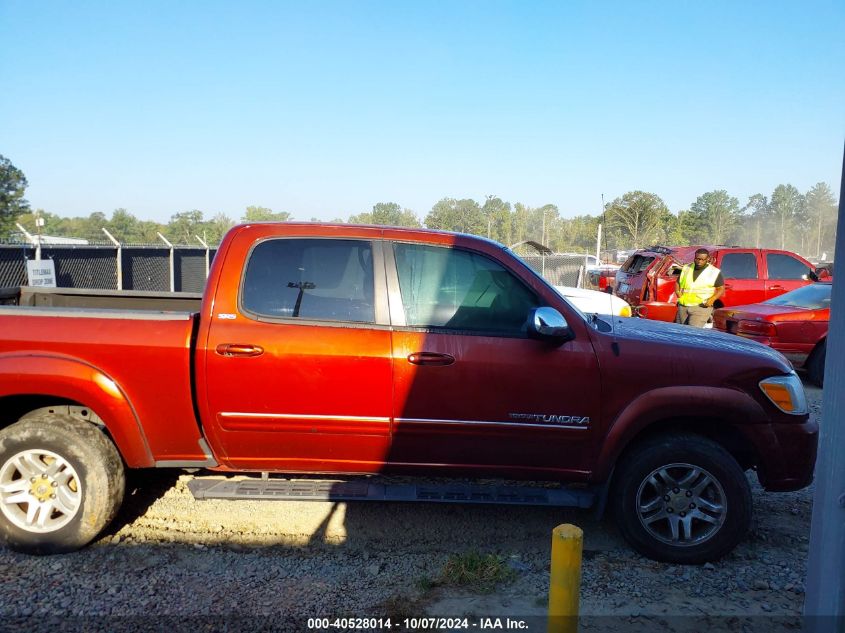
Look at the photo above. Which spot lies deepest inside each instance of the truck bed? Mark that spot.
(98, 298)
(145, 352)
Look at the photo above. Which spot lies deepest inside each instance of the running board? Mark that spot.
(320, 490)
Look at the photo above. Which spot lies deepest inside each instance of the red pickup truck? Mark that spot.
(372, 350)
(647, 279)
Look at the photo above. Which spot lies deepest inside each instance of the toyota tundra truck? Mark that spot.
(367, 352)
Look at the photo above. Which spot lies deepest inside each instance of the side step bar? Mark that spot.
(320, 490)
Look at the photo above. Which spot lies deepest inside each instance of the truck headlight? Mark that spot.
(786, 393)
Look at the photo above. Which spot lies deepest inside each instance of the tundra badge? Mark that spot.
(560, 420)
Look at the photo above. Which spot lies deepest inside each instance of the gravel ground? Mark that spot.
(275, 564)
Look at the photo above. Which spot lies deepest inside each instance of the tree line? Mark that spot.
(786, 218)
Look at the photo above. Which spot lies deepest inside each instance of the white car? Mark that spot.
(593, 301)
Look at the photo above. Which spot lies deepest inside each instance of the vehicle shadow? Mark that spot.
(143, 488)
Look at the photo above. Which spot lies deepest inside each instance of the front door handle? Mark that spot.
(776, 287)
(430, 358)
(238, 349)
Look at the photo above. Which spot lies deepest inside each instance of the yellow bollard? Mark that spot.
(565, 581)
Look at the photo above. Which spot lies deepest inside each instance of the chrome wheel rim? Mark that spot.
(39, 491)
(681, 504)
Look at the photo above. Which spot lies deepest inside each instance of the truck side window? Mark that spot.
(739, 266)
(316, 279)
(459, 290)
(785, 267)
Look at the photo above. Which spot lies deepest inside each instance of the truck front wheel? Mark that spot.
(61, 483)
(681, 499)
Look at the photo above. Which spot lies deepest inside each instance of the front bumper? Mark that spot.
(787, 454)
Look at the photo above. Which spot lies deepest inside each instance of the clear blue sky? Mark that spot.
(325, 108)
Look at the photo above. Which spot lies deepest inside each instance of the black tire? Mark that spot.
(815, 364)
(686, 481)
(88, 481)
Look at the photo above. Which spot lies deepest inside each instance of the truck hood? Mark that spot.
(672, 335)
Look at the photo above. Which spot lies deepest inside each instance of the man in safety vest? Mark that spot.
(699, 287)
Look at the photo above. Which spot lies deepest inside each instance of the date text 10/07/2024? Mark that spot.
(422, 623)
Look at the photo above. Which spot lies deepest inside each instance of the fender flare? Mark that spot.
(730, 405)
(68, 378)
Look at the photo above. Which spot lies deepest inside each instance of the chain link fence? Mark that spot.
(559, 270)
(140, 267)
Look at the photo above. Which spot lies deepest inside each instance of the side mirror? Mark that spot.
(549, 325)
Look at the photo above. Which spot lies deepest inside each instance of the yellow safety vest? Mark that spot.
(693, 292)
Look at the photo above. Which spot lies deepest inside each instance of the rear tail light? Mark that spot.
(756, 328)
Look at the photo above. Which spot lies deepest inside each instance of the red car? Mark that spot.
(795, 324)
(647, 279)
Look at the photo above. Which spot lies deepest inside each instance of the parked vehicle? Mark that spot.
(795, 324)
(602, 277)
(648, 278)
(595, 302)
(368, 350)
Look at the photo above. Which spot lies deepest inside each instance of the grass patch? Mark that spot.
(480, 571)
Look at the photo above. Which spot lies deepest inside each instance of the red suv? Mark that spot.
(647, 279)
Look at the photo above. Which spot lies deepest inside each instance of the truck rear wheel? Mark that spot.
(681, 499)
(61, 483)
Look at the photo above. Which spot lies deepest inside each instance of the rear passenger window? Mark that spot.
(637, 264)
(785, 267)
(739, 266)
(317, 279)
(459, 290)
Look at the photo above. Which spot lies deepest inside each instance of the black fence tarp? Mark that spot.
(95, 266)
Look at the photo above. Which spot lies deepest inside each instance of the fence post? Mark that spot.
(35, 241)
(172, 262)
(119, 267)
(207, 252)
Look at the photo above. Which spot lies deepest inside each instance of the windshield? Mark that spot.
(812, 297)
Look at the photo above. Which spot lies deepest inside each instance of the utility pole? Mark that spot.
(489, 213)
(824, 603)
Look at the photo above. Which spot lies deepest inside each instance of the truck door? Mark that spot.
(743, 282)
(470, 388)
(785, 272)
(297, 365)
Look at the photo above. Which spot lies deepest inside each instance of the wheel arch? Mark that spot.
(716, 413)
(51, 384)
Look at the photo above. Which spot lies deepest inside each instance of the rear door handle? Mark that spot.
(430, 358)
(238, 349)
(776, 287)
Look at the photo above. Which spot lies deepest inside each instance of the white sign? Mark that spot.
(41, 273)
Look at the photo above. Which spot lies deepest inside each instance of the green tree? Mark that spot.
(123, 226)
(822, 213)
(184, 226)
(756, 218)
(12, 187)
(463, 216)
(498, 215)
(387, 214)
(636, 218)
(214, 230)
(718, 216)
(263, 214)
(785, 209)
